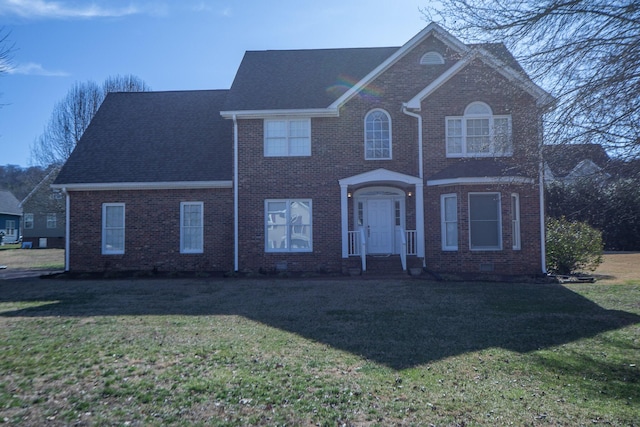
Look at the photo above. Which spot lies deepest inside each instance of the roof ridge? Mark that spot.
(172, 91)
(326, 49)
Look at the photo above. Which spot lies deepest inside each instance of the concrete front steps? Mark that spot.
(385, 266)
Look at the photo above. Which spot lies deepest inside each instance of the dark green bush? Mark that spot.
(572, 246)
(612, 207)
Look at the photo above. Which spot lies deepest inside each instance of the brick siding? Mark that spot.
(338, 152)
(152, 231)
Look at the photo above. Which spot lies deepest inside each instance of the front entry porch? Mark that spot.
(375, 216)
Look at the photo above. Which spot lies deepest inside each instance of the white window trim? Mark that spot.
(25, 221)
(182, 228)
(390, 135)
(492, 143)
(486, 248)
(288, 121)
(266, 225)
(515, 222)
(52, 220)
(443, 221)
(432, 58)
(105, 250)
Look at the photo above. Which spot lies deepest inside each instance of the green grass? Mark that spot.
(8, 246)
(294, 352)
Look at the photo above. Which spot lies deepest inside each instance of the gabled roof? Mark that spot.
(9, 205)
(516, 76)
(299, 79)
(153, 137)
(318, 82)
(563, 158)
(47, 180)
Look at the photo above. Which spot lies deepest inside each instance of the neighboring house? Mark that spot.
(10, 214)
(319, 160)
(569, 163)
(44, 214)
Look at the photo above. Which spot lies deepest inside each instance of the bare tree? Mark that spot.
(127, 83)
(585, 52)
(6, 49)
(71, 117)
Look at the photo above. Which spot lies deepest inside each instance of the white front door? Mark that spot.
(380, 228)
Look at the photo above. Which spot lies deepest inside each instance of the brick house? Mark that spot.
(319, 160)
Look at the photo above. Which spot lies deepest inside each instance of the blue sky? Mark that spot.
(171, 45)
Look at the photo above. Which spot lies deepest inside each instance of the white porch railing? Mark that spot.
(403, 249)
(354, 243)
(411, 237)
(358, 246)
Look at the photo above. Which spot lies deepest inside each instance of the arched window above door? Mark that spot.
(377, 135)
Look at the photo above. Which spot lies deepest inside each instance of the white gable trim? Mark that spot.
(379, 175)
(177, 185)
(431, 29)
(543, 99)
(414, 103)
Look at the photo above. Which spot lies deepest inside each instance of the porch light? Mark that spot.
(349, 194)
(409, 193)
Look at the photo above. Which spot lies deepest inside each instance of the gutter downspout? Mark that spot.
(235, 194)
(420, 212)
(67, 227)
(419, 117)
(543, 242)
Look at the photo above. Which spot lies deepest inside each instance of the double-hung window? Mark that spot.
(288, 225)
(449, 221)
(485, 229)
(478, 133)
(377, 135)
(191, 228)
(113, 228)
(28, 221)
(52, 220)
(287, 137)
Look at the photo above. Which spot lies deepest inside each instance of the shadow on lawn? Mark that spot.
(397, 323)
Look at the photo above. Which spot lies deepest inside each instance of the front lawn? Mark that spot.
(31, 259)
(318, 352)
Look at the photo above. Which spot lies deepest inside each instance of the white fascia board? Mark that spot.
(414, 103)
(263, 114)
(431, 29)
(481, 181)
(543, 98)
(379, 175)
(177, 185)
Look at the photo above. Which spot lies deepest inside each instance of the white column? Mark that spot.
(344, 217)
(420, 219)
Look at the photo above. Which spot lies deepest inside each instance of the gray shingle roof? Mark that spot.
(9, 204)
(300, 79)
(563, 158)
(143, 137)
(479, 168)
